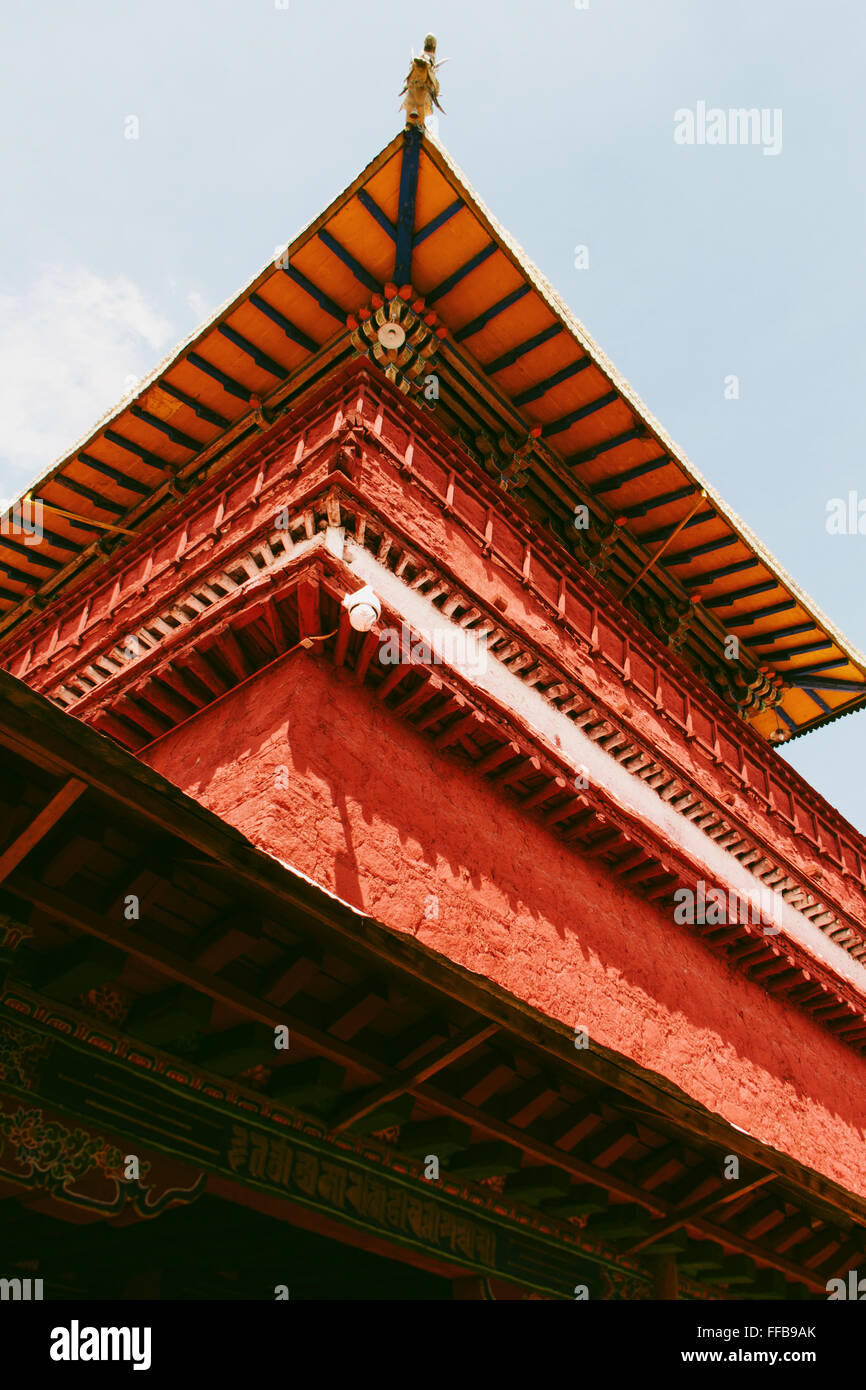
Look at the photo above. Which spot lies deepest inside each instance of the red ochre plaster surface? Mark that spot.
(375, 814)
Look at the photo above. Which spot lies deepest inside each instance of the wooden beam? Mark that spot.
(443, 1056)
(405, 231)
(399, 671)
(44, 735)
(179, 682)
(473, 722)
(344, 632)
(613, 1183)
(224, 942)
(39, 827)
(574, 1123)
(291, 974)
(715, 1199)
(504, 753)
(369, 646)
(201, 668)
(116, 729)
(229, 649)
(162, 699)
(430, 687)
(63, 908)
(356, 1009)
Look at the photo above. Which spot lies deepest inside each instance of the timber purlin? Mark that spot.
(201, 879)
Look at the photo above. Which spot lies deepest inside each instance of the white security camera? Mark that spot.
(364, 608)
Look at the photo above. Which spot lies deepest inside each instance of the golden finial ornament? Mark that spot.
(421, 91)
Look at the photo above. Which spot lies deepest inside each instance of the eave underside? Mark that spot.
(409, 1037)
(514, 361)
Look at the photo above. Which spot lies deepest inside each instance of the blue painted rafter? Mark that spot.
(825, 666)
(726, 600)
(476, 325)
(792, 725)
(323, 300)
(786, 653)
(713, 575)
(261, 359)
(31, 581)
(291, 330)
(822, 705)
(406, 205)
(52, 538)
(26, 552)
(663, 532)
(809, 680)
(620, 479)
(453, 280)
(228, 383)
(377, 214)
(514, 355)
(89, 495)
(61, 542)
(607, 445)
(120, 478)
(542, 387)
(17, 578)
(796, 630)
(439, 221)
(170, 431)
(557, 426)
(361, 275)
(685, 557)
(746, 619)
(653, 503)
(203, 412)
(152, 460)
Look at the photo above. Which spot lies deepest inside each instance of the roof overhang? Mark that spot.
(516, 366)
(98, 817)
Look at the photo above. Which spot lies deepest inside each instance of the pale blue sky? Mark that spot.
(704, 261)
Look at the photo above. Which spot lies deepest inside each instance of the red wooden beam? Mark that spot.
(40, 825)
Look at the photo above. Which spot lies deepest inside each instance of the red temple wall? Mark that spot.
(720, 754)
(373, 813)
(745, 789)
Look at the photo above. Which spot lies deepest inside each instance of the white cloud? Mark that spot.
(199, 305)
(69, 347)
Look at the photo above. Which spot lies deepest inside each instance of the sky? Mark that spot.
(155, 155)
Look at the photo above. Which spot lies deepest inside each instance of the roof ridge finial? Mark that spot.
(422, 85)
